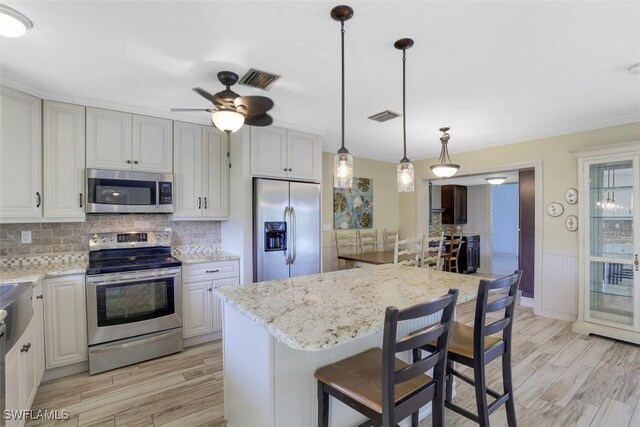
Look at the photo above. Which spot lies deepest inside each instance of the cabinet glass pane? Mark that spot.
(612, 292)
(611, 209)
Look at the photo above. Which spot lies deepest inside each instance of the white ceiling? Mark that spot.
(495, 72)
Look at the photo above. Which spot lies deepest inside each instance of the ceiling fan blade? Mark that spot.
(176, 110)
(254, 105)
(203, 93)
(259, 120)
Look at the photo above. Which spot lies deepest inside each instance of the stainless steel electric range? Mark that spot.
(134, 299)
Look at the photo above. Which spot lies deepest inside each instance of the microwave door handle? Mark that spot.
(157, 194)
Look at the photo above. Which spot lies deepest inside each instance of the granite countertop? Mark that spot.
(187, 258)
(37, 272)
(321, 311)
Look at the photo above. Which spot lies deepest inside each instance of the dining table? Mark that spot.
(364, 259)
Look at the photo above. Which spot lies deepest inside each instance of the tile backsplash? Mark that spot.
(51, 238)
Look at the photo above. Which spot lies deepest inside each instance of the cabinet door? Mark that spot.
(197, 308)
(64, 137)
(187, 173)
(460, 204)
(108, 139)
(218, 306)
(216, 173)
(20, 155)
(269, 152)
(65, 320)
(28, 366)
(38, 319)
(304, 156)
(152, 144)
(14, 381)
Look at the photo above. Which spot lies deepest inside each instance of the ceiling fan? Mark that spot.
(231, 110)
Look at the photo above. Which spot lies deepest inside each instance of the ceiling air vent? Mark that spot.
(259, 79)
(384, 116)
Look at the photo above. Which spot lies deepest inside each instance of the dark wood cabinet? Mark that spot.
(469, 258)
(454, 203)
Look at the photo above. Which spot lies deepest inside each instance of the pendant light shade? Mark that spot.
(405, 168)
(342, 162)
(227, 121)
(444, 168)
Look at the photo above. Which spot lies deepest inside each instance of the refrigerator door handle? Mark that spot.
(286, 217)
(293, 239)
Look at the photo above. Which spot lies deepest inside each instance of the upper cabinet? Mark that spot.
(21, 155)
(286, 153)
(201, 172)
(64, 136)
(124, 141)
(454, 204)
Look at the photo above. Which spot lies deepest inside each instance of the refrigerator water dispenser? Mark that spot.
(275, 236)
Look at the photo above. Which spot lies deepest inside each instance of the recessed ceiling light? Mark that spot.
(13, 23)
(496, 180)
(635, 68)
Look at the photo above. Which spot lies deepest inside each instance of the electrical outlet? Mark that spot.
(26, 236)
(326, 227)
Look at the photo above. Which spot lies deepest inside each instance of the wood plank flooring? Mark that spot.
(560, 379)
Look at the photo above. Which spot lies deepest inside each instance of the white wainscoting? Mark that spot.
(560, 283)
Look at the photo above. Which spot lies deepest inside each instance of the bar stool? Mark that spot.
(384, 388)
(477, 346)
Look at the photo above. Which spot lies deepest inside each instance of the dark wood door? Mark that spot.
(526, 245)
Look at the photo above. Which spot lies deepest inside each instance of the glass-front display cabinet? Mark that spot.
(609, 227)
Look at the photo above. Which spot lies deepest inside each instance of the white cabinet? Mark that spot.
(609, 278)
(286, 153)
(202, 310)
(201, 172)
(38, 319)
(65, 320)
(124, 141)
(64, 142)
(21, 155)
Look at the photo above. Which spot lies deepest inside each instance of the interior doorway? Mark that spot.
(505, 228)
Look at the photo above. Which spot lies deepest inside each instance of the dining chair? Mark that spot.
(477, 346)
(346, 244)
(432, 253)
(368, 241)
(452, 255)
(408, 248)
(384, 388)
(389, 239)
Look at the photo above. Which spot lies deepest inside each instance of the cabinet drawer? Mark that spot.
(209, 271)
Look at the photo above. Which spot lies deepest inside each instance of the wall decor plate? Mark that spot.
(571, 196)
(571, 222)
(555, 209)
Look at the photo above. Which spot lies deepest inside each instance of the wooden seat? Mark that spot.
(481, 344)
(389, 239)
(368, 241)
(408, 251)
(346, 244)
(384, 388)
(452, 255)
(432, 252)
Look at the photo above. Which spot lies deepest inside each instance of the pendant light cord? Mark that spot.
(404, 96)
(342, 34)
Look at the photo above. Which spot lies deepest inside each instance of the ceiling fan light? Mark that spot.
(405, 177)
(227, 120)
(13, 23)
(496, 180)
(444, 170)
(343, 169)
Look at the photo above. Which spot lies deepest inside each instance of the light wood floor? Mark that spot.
(561, 379)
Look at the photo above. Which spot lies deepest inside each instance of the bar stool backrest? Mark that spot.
(506, 288)
(410, 248)
(392, 413)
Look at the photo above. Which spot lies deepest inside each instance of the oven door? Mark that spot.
(111, 191)
(124, 305)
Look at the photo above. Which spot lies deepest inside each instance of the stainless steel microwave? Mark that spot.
(111, 191)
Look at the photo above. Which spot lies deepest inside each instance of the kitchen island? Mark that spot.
(277, 333)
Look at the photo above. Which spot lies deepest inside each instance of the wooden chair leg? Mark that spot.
(508, 388)
(449, 382)
(437, 405)
(323, 406)
(479, 377)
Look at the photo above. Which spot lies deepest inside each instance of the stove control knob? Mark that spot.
(95, 239)
(158, 236)
(165, 237)
(104, 240)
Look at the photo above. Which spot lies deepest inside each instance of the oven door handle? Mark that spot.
(133, 278)
(136, 343)
(157, 193)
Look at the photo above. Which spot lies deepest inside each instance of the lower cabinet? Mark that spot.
(65, 320)
(202, 310)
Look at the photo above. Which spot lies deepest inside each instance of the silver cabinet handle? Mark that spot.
(40, 297)
(293, 238)
(80, 199)
(212, 271)
(199, 202)
(205, 203)
(38, 199)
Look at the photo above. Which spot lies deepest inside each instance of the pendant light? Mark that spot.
(343, 161)
(405, 168)
(444, 168)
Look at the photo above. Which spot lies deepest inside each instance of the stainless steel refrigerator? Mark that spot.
(286, 229)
